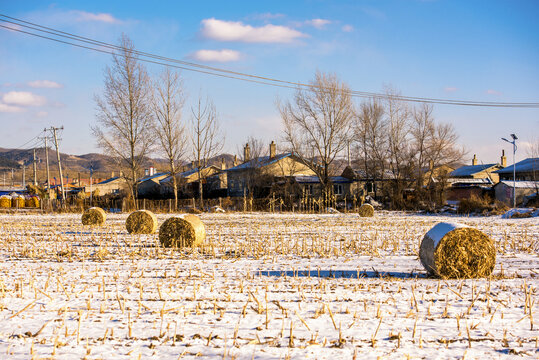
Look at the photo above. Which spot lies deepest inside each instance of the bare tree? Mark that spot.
(206, 137)
(171, 135)
(422, 131)
(253, 175)
(369, 134)
(318, 123)
(124, 113)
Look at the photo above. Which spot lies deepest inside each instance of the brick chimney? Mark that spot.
(246, 153)
(272, 150)
(504, 159)
(236, 160)
(474, 160)
(223, 164)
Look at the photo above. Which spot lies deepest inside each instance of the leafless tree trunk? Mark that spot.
(370, 131)
(125, 120)
(318, 123)
(171, 136)
(206, 137)
(422, 131)
(398, 139)
(254, 174)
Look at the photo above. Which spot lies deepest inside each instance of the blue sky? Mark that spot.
(471, 50)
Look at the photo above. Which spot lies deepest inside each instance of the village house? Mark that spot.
(188, 181)
(255, 177)
(114, 185)
(476, 179)
(525, 181)
(149, 186)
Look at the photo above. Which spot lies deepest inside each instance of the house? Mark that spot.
(149, 186)
(476, 179)
(525, 170)
(310, 186)
(110, 186)
(504, 190)
(254, 177)
(187, 180)
(479, 171)
(433, 174)
(363, 184)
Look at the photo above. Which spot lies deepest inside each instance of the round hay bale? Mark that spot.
(141, 222)
(32, 202)
(5, 201)
(94, 216)
(182, 231)
(451, 250)
(18, 202)
(366, 210)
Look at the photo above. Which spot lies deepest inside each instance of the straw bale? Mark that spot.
(456, 251)
(141, 222)
(94, 216)
(32, 202)
(18, 202)
(182, 231)
(366, 210)
(5, 201)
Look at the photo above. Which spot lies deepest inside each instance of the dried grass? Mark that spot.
(461, 253)
(94, 216)
(18, 202)
(185, 231)
(141, 222)
(32, 202)
(366, 210)
(5, 201)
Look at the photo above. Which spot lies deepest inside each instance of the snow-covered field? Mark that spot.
(262, 286)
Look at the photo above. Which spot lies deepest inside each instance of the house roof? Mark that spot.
(360, 174)
(108, 180)
(469, 170)
(188, 173)
(470, 181)
(259, 162)
(315, 180)
(520, 184)
(526, 165)
(151, 177)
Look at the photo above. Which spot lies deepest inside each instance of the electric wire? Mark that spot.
(190, 66)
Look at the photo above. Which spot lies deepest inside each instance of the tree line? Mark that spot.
(385, 137)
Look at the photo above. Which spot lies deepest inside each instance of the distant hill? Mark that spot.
(72, 164)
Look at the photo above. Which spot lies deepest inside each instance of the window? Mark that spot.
(338, 189)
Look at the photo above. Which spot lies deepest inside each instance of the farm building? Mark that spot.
(504, 190)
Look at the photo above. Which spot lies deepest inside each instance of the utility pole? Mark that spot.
(35, 168)
(53, 129)
(47, 159)
(514, 143)
(12, 179)
(23, 175)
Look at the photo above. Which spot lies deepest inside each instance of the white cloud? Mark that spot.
(347, 28)
(23, 98)
(493, 92)
(10, 109)
(45, 84)
(41, 114)
(318, 23)
(236, 31)
(101, 17)
(450, 89)
(224, 55)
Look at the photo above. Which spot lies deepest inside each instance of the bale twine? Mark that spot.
(18, 202)
(366, 210)
(5, 201)
(94, 216)
(141, 222)
(182, 231)
(451, 250)
(32, 202)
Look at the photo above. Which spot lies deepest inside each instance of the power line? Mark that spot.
(190, 66)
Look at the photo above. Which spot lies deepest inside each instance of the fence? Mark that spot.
(304, 204)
